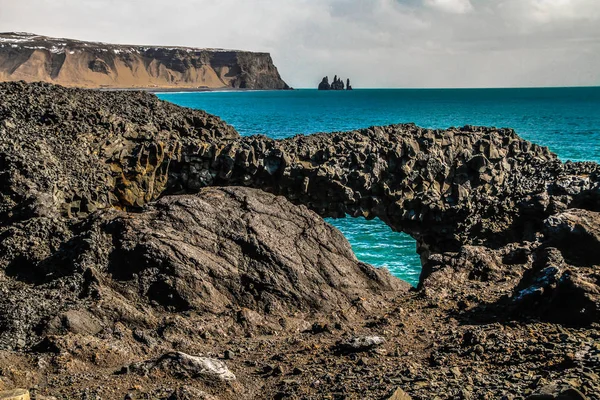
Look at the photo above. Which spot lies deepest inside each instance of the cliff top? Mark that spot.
(61, 45)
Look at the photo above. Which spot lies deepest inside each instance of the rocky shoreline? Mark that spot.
(149, 251)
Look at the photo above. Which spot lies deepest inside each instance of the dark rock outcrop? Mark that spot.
(119, 146)
(449, 189)
(217, 253)
(337, 84)
(324, 85)
(116, 252)
(75, 63)
(470, 185)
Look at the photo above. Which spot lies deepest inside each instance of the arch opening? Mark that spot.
(375, 243)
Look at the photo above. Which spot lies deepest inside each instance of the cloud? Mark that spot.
(450, 6)
(377, 43)
(552, 10)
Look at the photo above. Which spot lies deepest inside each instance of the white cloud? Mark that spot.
(389, 43)
(451, 6)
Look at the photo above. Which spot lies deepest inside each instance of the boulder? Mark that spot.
(184, 366)
(576, 233)
(241, 256)
(242, 248)
(360, 343)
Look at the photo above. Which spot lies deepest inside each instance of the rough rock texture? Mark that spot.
(479, 187)
(70, 62)
(115, 250)
(447, 189)
(215, 253)
(76, 151)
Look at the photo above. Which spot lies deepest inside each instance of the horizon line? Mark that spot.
(458, 88)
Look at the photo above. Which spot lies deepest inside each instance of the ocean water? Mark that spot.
(567, 120)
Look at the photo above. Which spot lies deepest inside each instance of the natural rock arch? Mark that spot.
(69, 151)
(446, 188)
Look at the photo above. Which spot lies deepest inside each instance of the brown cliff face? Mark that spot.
(75, 63)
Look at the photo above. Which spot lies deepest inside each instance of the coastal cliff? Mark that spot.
(149, 251)
(74, 63)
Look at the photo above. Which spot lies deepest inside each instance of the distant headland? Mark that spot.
(337, 84)
(68, 62)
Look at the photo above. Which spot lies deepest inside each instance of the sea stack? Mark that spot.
(324, 85)
(337, 84)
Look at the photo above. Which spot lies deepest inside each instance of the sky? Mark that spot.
(375, 43)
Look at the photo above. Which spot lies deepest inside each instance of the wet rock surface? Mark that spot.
(125, 274)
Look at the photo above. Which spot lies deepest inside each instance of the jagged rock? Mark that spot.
(348, 87)
(118, 145)
(337, 83)
(184, 366)
(563, 284)
(565, 295)
(324, 85)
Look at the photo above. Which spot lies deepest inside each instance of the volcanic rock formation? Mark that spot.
(128, 245)
(324, 85)
(70, 62)
(337, 84)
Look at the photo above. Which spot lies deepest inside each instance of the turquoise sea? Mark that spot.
(567, 120)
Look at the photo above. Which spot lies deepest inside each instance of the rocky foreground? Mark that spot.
(68, 62)
(149, 251)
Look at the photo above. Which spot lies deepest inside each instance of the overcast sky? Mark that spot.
(377, 43)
